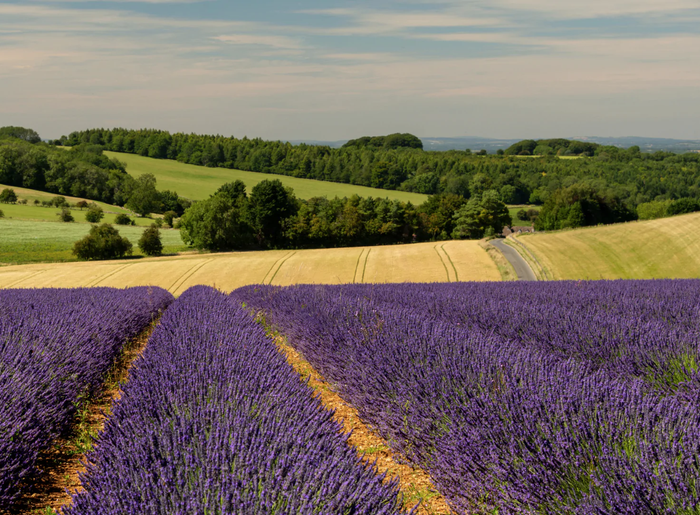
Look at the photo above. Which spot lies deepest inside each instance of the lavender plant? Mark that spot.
(56, 347)
(214, 420)
(528, 398)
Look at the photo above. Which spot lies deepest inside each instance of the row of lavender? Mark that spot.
(56, 347)
(214, 420)
(526, 398)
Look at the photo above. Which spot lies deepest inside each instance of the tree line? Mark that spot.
(397, 162)
(272, 217)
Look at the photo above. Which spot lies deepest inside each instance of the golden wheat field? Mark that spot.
(422, 262)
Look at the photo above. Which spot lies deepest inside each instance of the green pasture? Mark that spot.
(32, 195)
(198, 182)
(31, 241)
(50, 214)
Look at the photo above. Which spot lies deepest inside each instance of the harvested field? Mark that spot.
(422, 262)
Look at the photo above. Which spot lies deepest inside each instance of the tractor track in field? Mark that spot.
(62, 465)
(415, 484)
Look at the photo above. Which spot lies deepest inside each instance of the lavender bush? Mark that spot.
(214, 420)
(528, 398)
(55, 348)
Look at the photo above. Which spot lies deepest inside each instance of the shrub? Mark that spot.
(22, 202)
(8, 196)
(654, 209)
(123, 219)
(150, 243)
(81, 204)
(2, 215)
(169, 217)
(37, 202)
(94, 214)
(103, 242)
(59, 201)
(65, 215)
(158, 222)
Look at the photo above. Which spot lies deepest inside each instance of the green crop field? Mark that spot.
(664, 248)
(29, 241)
(198, 182)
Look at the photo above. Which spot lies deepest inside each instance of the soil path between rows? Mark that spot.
(415, 483)
(63, 463)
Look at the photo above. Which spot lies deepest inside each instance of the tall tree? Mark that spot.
(269, 204)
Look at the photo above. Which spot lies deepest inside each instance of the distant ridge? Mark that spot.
(491, 145)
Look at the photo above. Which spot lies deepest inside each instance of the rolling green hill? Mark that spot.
(198, 182)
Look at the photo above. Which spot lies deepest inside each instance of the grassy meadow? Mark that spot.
(198, 182)
(421, 262)
(664, 248)
(32, 241)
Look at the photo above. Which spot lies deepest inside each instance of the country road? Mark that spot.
(522, 269)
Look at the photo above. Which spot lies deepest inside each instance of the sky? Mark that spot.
(332, 70)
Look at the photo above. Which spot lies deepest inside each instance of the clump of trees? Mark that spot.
(102, 242)
(552, 147)
(387, 142)
(483, 215)
(8, 196)
(581, 205)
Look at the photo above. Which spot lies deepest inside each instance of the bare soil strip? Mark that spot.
(64, 462)
(415, 483)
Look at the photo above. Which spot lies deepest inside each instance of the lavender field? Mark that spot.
(56, 347)
(567, 397)
(214, 420)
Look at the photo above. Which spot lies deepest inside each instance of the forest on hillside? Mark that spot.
(629, 175)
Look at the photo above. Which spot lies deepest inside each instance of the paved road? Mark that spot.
(522, 269)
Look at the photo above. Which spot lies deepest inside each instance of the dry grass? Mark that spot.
(665, 248)
(422, 262)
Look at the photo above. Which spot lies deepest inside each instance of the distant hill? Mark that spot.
(491, 145)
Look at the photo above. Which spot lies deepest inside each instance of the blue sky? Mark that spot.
(340, 69)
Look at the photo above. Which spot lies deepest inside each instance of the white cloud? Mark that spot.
(595, 8)
(69, 68)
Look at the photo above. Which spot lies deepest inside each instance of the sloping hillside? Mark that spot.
(664, 248)
(198, 182)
